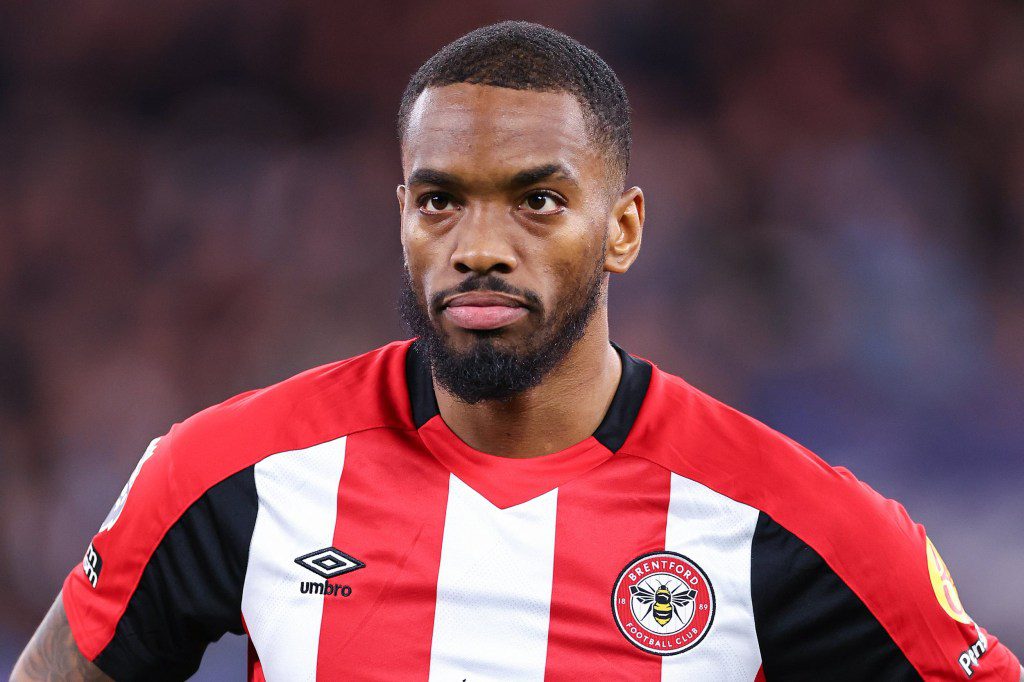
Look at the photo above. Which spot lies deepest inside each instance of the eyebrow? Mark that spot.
(524, 178)
(532, 176)
(430, 176)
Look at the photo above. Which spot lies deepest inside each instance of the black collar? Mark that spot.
(611, 432)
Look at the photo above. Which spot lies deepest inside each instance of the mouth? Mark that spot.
(483, 310)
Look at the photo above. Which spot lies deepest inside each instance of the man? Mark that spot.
(509, 496)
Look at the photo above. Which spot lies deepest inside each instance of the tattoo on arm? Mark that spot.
(52, 654)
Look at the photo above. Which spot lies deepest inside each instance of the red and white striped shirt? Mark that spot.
(337, 521)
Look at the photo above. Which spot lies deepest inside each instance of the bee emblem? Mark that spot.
(663, 602)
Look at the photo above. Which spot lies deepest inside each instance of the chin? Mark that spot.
(463, 340)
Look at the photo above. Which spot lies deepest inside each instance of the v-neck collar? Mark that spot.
(507, 481)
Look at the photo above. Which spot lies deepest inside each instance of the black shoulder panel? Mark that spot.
(190, 592)
(810, 625)
(420, 384)
(625, 406)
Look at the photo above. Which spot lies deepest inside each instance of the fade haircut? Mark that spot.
(524, 56)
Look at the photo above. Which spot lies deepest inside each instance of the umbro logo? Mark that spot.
(329, 562)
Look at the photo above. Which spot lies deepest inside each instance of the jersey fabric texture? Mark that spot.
(337, 521)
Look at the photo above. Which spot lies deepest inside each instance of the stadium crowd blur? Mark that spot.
(197, 198)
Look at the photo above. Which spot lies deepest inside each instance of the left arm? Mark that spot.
(877, 607)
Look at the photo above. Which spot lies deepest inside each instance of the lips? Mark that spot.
(484, 310)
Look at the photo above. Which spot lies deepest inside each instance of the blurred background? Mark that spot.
(197, 198)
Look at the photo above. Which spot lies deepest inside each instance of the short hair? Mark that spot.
(527, 56)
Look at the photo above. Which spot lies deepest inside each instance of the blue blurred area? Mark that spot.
(196, 198)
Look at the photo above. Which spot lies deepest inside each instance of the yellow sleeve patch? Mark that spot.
(942, 583)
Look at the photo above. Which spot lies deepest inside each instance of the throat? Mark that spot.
(566, 408)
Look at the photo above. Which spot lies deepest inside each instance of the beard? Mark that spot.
(488, 371)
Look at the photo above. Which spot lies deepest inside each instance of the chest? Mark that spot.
(359, 567)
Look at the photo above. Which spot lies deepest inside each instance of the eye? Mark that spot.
(542, 202)
(436, 203)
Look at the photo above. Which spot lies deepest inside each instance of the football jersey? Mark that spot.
(337, 521)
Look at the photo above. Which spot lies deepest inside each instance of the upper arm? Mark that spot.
(163, 577)
(809, 622)
(53, 654)
(896, 617)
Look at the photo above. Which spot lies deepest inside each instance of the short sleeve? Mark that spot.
(897, 617)
(163, 576)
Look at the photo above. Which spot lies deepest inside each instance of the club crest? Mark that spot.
(663, 603)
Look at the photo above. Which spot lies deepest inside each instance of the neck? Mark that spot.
(564, 409)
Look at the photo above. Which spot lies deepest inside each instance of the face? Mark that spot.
(509, 226)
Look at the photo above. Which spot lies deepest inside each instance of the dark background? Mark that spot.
(197, 198)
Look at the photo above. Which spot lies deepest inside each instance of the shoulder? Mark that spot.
(176, 539)
(823, 537)
(319, 404)
(852, 527)
(693, 435)
(217, 449)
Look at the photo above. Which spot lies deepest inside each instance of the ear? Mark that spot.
(625, 227)
(400, 191)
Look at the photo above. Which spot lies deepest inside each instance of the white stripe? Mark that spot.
(298, 504)
(715, 532)
(493, 588)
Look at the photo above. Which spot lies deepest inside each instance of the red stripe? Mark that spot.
(759, 677)
(255, 667)
(391, 508)
(605, 519)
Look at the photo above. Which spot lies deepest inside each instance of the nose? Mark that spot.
(483, 246)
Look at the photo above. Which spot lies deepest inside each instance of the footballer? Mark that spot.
(509, 495)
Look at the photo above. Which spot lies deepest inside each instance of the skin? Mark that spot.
(482, 137)
(464, 214)
(52, 654)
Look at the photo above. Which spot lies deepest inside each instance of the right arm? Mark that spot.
(160, 580)
(52, 654)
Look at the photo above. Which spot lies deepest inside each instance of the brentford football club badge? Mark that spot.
(663, 603)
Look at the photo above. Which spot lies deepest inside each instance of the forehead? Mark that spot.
(481, 130)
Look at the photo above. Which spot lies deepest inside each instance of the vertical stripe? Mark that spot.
(391, 511)
(493, 588)
(715, 532)
(297, 491)
(255, 668)
(606, 519)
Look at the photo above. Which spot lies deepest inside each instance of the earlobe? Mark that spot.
(625, 228)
